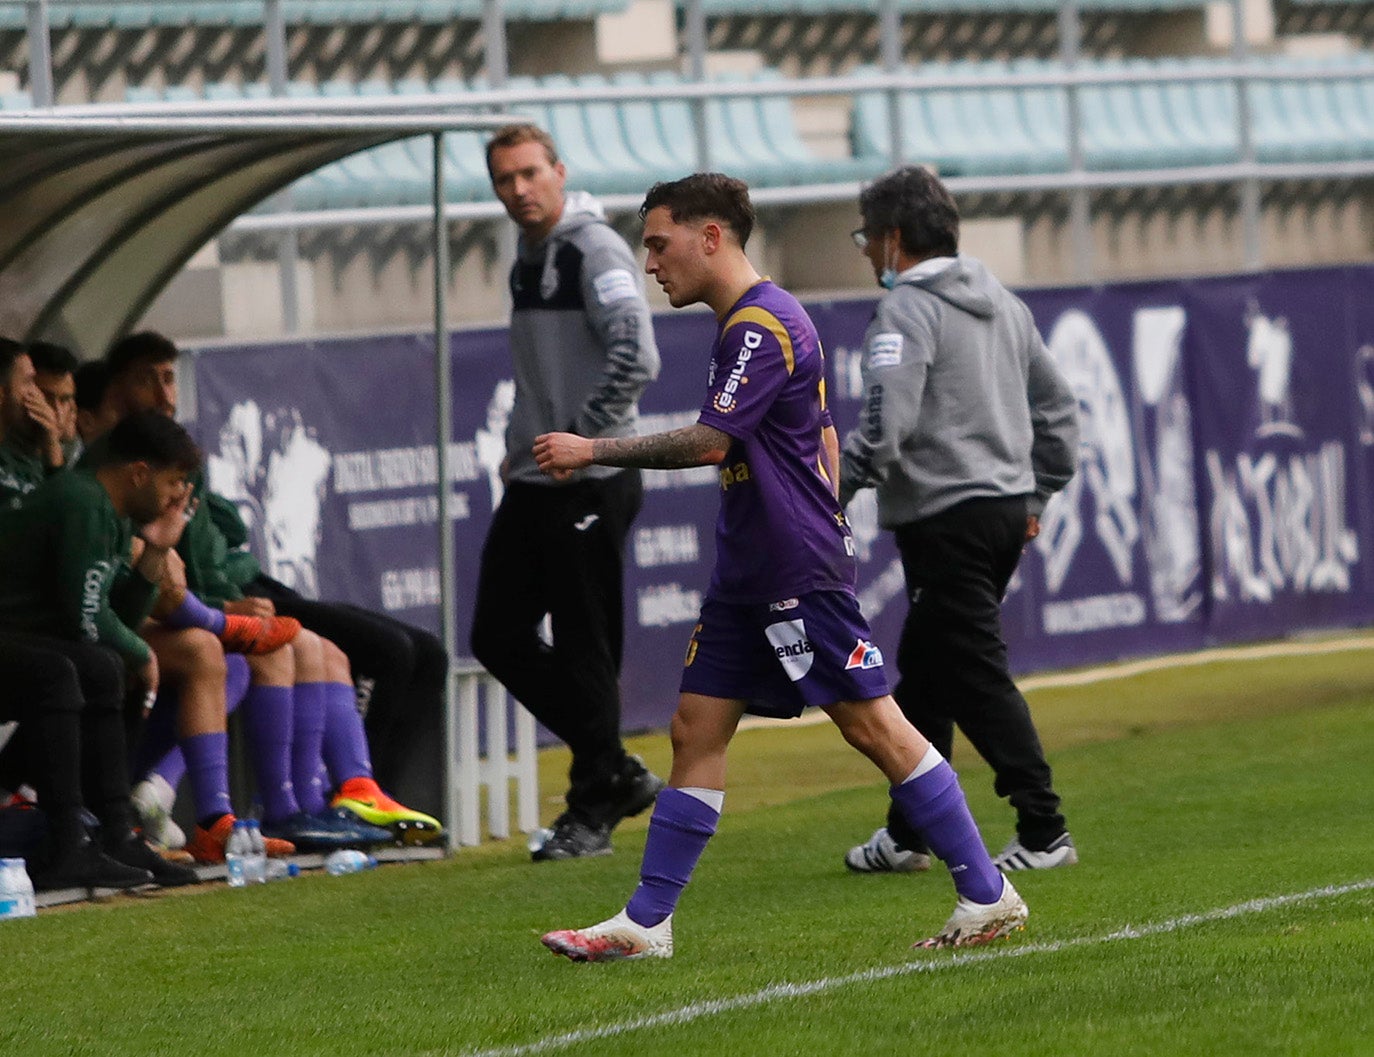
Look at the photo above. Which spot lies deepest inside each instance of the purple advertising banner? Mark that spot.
(1226, 488)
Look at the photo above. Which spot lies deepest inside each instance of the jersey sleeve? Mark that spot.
(755, 361)
(86, 569)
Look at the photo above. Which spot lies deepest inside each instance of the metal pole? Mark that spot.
(288, 246)
(890, 48)
(1245, 139)
(40, 54)
(695, 23)
(443, 374)
(1080, 205)
(494, 46)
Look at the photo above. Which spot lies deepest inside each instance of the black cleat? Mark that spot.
(573, 838)
(135, 852)
(86, 866)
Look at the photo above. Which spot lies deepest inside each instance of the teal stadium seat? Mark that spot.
(230, 13)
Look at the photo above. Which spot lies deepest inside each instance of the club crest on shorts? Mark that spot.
(864, 655)
(792, 647)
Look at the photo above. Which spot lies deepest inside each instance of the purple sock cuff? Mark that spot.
(685, 813)
(207, 764)
(935, 807)
(193, 613)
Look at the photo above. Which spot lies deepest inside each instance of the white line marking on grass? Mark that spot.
(1128, 669)
(783, 992)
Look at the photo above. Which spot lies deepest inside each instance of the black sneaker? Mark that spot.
(572, 837)
(630, 792)
(136, 852)
(86, 866)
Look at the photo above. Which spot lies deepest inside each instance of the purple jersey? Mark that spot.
(780, 532)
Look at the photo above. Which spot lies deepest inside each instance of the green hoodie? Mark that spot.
(64, 568)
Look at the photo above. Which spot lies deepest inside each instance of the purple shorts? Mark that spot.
(782, 656)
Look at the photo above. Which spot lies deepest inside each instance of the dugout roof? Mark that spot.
(100, 207)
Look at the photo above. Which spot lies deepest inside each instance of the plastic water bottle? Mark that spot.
(348, 860)
(237, 853)
(16, 890)
(255, 868)
(278, 869)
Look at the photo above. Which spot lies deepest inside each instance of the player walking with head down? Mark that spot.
(780, 628)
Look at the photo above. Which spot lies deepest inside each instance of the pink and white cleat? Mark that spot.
(973, 923)
(615, 939)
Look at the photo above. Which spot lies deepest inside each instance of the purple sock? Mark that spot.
(678, 831)
(193, 613)
(307, 736)
(934, 805)
(207, 762)
(158, 743)
(346, 754)
(267, 723)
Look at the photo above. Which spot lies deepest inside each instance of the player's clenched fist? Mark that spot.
(559, 454)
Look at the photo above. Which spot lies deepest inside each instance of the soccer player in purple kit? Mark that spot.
(780, 628)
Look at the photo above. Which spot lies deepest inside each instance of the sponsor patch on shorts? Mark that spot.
(885, 350)
(864, 655)
(792, 647)
(614, 285)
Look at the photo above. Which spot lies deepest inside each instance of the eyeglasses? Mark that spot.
(860, 237)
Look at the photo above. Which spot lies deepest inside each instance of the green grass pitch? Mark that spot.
(1189, 791)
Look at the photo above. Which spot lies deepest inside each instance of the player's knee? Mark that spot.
(205, 653)
(336, 667)
(277, 668)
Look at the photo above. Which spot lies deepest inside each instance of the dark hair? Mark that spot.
(514, 135)
(152, 437)
(146, 346)
(914, 201)
(9, 352)
(702, 196)
(92, 380)
(53, 359)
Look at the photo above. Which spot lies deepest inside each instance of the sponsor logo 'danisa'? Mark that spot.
(864, 655)
(725, 399)
(793, 648)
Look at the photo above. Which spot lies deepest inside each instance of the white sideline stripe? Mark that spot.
(1129, 669)
(782, 992)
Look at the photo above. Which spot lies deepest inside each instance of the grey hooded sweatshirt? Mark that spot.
(581, 338)
(962, 399)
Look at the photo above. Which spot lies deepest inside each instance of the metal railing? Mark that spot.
(1076, 180)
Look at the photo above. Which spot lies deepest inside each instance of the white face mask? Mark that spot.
(888, 279)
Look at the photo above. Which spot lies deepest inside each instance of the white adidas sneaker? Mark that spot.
(615, 939)
(973, 923)
(1016, 856)
(153, 799)
(880, 854)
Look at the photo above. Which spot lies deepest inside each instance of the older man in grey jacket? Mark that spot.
(582, 347)
(967, 430)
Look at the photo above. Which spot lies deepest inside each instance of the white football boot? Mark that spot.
(973, 923)
(615, 939)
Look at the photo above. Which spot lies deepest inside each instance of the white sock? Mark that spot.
(712, 798)
(931, 760)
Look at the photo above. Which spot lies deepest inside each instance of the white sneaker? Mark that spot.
(153, 799)
(975, 923)
(1016, 856)
(881, 855)
(613, 940)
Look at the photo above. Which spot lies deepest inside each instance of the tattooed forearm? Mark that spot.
(695, 445)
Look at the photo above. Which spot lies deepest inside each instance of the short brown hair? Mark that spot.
(703, 196)
(514, 135)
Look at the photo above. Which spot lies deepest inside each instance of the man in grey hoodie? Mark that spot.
(582, 348)
(968, 428)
